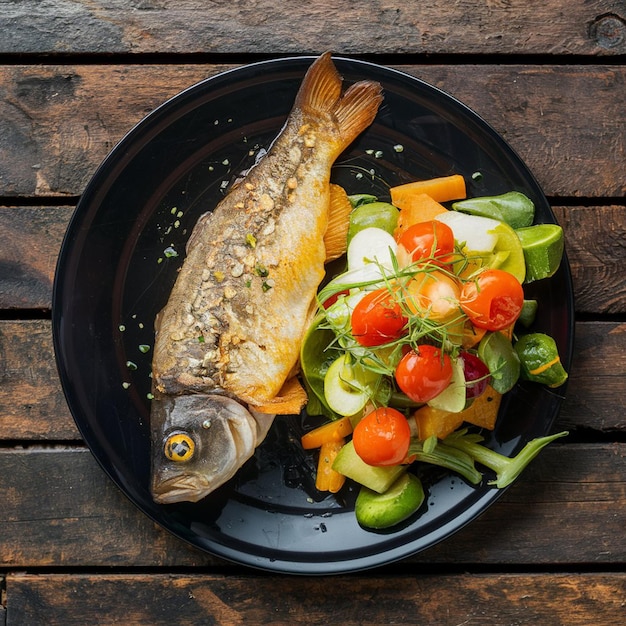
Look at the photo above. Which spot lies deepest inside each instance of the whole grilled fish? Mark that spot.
(227, 342)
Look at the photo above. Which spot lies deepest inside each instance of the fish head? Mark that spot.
(199, 441)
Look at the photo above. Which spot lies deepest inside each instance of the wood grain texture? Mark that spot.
(60, 510)
(28, 265)
(595, 240)
(486, 599)
(32, 405)
(58, 123)
(595, 27)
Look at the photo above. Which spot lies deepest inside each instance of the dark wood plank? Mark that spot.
(488, 599)
(571, 144)
(594, 237)
(59, 509)
(27, 266)
(32, 406)
(595, 27)
(589, 392)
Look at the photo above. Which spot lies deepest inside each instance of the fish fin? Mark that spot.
(289, 400)
(336, 236)
(321, 87)
(321, 92)
(357, 109)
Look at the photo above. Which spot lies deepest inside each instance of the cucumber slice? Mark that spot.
(351, 465)
(348, 386)
(453, 397)
(400, 501)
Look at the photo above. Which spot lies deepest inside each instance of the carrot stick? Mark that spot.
(327, 478)
(415, 208)
(440, 189)
(332, 431)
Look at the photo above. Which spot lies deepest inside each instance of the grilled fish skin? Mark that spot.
(232, 327)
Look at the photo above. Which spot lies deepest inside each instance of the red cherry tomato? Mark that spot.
(428, 240)
(377, 319)
(474, 369)
(493, 300)
(382, 437)
(424, 373)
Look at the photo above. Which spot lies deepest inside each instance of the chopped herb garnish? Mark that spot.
(150, 396)
(169, 252)
(131, 366)
(251, 240)
(261, 270)
(144, 348)
(121, 328)
(126, 385)
(266, 286)
(201, 339)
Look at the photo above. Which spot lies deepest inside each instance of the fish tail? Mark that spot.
(353, 111)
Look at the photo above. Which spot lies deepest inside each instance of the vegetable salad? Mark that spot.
(418, 339)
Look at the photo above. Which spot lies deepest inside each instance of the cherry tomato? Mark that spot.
(424, 373)
(428, 240)
(474, 369)
(377, 319)
(382, 437)
(493, 300)
(434, 294)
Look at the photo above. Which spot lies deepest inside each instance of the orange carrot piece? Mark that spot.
(414, 209)
(431, 421)
(327, 478)
(440, 189)
(332, 431)
(472, 335)
(508, 331)
(483, 411)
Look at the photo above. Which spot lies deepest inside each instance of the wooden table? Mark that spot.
(75, 76)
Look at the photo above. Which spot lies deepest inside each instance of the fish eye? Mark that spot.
(179, 447)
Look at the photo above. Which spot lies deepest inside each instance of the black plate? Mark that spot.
(117, 267)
